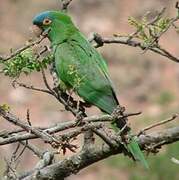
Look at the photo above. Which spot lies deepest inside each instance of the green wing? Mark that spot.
(83, 68)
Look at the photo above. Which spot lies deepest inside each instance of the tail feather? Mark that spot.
(132, 146)
(135, 150)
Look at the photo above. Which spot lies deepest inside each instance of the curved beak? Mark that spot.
(37, 31)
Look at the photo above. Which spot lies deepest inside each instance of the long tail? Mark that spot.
(132, 145)
(135, 150)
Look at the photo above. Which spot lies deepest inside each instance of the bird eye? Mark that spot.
(46, 21)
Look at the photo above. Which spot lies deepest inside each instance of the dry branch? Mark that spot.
(65, 4)
(83, 159)
(158, 124)
(38, 41)
(123, 40)
(16, 136)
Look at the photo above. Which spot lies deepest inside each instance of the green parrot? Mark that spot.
(81, 68)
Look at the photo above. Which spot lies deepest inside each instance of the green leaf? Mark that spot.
(26, 63)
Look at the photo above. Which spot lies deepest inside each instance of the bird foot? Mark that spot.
(118, 111)
(79, 120)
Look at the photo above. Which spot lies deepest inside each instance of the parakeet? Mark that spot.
(82, 68)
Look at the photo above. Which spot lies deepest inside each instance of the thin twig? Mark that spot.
(161, 33)
(38, 41)
(156, 18)
(14, 120)
(9, 169)
(125, 41)
(45, 80)
(158, 124)
(31, 87)
(15, 136)
(105, 138)
(32, 148)
(65, 167)
(65, 4)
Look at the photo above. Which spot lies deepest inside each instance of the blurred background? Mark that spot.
(144, 81)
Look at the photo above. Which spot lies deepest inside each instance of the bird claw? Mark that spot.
(118, 111)
(79, 120)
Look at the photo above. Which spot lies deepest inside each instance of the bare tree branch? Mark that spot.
(158, 124)
(38, 41)
(81, 160)
(14, 120)
(126, 41)
(65, 4)
(15, 136)
(46, 160)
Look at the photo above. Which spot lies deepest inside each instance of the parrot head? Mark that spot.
(58, 25)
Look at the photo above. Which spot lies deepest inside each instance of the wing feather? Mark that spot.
(90, 77)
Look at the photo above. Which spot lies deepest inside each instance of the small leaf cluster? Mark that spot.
(5, 107)
(149, 32)
(25, 62)
(74, 74)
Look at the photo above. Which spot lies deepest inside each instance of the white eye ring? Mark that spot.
(46, 21)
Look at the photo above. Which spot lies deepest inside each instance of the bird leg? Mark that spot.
(120, 122)
(118, 111)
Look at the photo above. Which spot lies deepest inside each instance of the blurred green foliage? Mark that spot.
(147, 31)
(165, 97)
(25, 63)
(161, 166)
